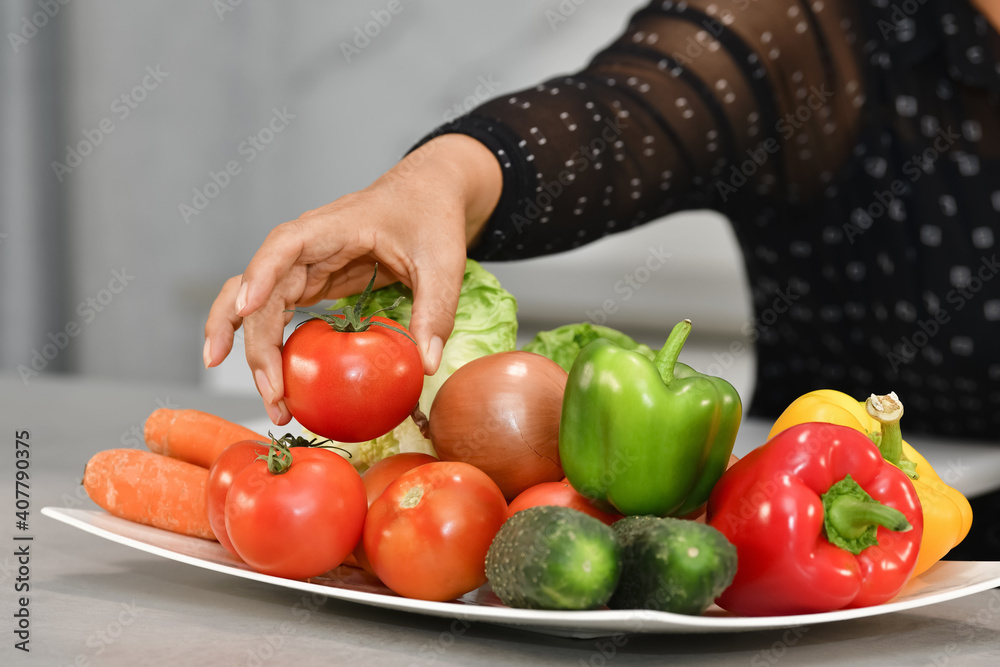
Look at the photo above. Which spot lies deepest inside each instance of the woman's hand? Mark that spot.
(415, 221)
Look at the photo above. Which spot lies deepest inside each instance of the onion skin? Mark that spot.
(501, 414)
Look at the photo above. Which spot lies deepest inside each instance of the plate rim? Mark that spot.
(610, 621)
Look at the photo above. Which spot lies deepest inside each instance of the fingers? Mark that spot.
(435, 299)
(297, 243)
(263, 335)
(276, 256)
(222, 324)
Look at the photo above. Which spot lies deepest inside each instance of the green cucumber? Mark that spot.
(671, 565)
(551, 557)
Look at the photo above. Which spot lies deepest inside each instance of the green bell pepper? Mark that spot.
(647, 437)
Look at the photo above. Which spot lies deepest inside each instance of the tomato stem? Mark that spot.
(289, 441)
(278, 456)
(412, 497)
(350, 320)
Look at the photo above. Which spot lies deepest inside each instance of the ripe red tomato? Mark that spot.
(559, 493)
(428, 533)
(383, 472)
(379, 476)
(230, 463)
(300, 523)
(351, 386)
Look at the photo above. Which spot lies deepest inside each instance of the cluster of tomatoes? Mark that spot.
(422, 526)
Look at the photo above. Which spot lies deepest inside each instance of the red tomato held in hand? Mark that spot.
(351, 386)
(380, 475)
(562, 494)
(428, 533)
(230, 463)
(300, 523)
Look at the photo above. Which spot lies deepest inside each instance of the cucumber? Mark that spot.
(627, 529)
(671, 565)
(551, 557)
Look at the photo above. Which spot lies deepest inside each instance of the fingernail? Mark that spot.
(273, 412)
(283, 412)
(433, 352)
(241, 298)
(206, 354)
(266, 390)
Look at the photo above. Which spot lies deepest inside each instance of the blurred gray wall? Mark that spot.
(119, 120)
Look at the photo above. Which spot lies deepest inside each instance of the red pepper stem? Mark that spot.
(851, 517)
(666, 358)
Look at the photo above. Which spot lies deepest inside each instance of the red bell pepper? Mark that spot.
(820, 522)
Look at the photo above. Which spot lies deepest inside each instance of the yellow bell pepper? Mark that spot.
(947, 513)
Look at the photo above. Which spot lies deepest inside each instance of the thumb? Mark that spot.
(435, 300)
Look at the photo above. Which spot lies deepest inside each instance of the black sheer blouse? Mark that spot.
(854, 146)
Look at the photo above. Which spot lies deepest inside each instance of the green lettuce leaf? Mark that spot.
(561, 345)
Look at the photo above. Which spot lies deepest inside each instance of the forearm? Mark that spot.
(674, 115)
(462, 169)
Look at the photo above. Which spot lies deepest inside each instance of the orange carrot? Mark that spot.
(193, 436)
(150, 489)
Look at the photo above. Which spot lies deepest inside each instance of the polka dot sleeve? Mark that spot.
(690, 104)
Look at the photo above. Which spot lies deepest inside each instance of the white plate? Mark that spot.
(945, 581)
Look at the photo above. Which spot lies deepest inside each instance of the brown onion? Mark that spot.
(501, 413)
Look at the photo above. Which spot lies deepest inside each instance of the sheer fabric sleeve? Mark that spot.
(697, 105)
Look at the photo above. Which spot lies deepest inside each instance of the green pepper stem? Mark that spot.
(852, 517)
(666, 358)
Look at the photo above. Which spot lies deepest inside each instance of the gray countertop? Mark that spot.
(92, 602)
